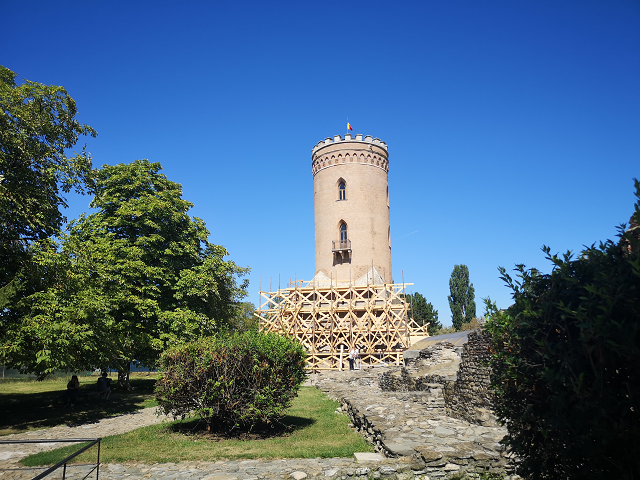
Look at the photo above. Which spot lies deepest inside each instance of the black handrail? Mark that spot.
(92, 442)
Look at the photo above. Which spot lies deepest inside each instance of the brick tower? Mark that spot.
(352, 301)
(351, 208)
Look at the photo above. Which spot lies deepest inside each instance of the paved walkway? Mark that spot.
(456, 338)
(12, 453)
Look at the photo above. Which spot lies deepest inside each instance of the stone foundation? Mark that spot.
(463, 384)
(409, 425)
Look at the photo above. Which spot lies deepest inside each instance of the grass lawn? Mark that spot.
(311, 429)
(30, 405)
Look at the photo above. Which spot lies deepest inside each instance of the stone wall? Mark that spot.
(463, 389)
(468, 398)
(399, 426)
(425, 370)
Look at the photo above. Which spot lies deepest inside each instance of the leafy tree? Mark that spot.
(462, 299)
(37, 124)
(244, 319)
(565, 363)
(423, 312)
(127, 281)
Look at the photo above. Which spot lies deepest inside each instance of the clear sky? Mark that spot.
(510, 124)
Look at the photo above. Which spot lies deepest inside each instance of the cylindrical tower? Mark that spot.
(351, 207)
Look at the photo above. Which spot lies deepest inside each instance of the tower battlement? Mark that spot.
(368, 139)
(349, 149)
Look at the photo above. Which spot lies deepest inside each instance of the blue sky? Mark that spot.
(510, 124)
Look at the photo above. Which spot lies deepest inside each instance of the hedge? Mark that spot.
(232, 381)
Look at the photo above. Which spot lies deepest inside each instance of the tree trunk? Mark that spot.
(123, 377)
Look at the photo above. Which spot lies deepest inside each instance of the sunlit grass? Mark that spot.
(312, 428)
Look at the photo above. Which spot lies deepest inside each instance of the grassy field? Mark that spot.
(29, 404)
(311, 429)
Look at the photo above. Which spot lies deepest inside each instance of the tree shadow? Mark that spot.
(24, 411)
(196, 427)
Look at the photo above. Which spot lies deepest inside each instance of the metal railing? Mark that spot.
(63, 463)
(339, 246)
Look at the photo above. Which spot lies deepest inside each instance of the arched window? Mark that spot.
(343, 235)
(342, 190)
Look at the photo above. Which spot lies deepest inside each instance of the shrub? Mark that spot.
(234, 381)
(566, 361)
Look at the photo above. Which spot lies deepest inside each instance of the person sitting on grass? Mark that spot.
(104, 386)
(73, 387)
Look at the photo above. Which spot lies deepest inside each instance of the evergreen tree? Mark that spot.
(462, 298)
(423, 312)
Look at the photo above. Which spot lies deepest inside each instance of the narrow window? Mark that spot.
(342, 191)
(343, 235)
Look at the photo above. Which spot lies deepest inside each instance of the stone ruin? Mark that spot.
(456, 377)
(434, 412)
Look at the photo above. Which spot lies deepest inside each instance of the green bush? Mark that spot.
(566, 364)
(232, 381)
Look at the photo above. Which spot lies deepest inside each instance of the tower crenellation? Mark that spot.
(349, 138)
(344, 150)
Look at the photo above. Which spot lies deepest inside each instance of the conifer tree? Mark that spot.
(423, 312)
(462, 298)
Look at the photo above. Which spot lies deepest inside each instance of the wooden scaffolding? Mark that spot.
(331, 320)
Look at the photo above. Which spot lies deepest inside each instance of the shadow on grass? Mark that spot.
(27, 411)
(197, 428)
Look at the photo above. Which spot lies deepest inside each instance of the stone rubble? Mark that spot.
(412, 424)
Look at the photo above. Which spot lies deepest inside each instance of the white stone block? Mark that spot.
(368, 457)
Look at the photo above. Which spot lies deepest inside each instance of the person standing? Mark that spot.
(356, 357)
(352, 357)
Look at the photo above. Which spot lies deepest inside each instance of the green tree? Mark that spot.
(462, 299)
(244, 319)
(423, 312)
(128, 281)
(37, 124)
(565, 363)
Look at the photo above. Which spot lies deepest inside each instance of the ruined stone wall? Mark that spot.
(463, 389)
(398, 425)
(418, 372)
(469, 398)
